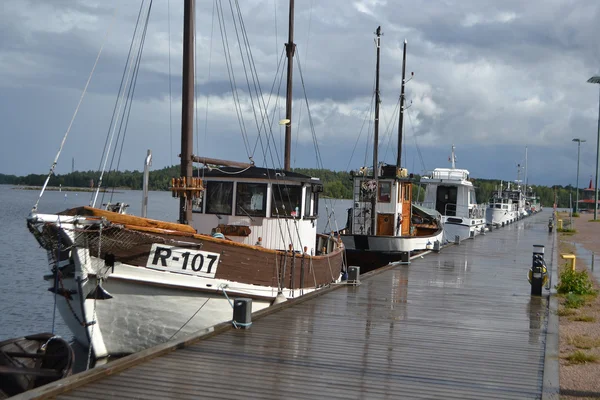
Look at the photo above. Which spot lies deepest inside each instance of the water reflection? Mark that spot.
(449, 273)
(536, 311)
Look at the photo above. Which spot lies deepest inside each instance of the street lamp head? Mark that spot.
(594, 79)
(578, 140)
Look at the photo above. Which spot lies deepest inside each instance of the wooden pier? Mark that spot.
(456, 324)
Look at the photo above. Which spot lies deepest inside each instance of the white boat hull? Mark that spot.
(499, 217)
(139, 315)
(391, 243)
(464, 228)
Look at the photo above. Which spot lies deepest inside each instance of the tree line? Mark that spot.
(336, 184)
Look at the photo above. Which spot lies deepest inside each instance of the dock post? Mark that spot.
(456, 239)
(242, 313)
(538, 269)
(436, 246)
(353, 275)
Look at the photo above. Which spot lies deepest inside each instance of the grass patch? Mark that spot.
(567, 231)
(583, 318)
(594, 220)
(574, 301)
(584, 342)
(575, 215)
(565, 312)
(579, 357)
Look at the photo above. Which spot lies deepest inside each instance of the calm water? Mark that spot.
(26, 305)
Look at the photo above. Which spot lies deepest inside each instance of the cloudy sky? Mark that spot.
(491, 77)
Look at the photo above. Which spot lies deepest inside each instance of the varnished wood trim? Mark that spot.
(128, 219)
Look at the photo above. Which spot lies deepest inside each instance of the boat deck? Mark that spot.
(457, 324)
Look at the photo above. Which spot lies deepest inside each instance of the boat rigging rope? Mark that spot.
(415, 139)
(120, 102)
(232, 80)
(114, 113)
(189, 319)
(53, 166)
(129, 102)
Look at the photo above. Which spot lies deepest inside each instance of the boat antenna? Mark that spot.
(187, 110)
(401, 119)
(453, 158)
(376, 133)
(290, 49)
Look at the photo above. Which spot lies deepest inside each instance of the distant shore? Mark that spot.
(60, 188)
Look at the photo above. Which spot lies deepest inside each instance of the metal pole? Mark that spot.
(597, 155)
(577, 184)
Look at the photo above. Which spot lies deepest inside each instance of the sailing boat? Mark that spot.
(124, 283)
(384, 226)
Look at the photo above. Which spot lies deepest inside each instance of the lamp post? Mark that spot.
(579, 141)
(596, 79)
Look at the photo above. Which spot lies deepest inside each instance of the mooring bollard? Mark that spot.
(242, 313)
(538, 270)
(353, 275)
(456, 239)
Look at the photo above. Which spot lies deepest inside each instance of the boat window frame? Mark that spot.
(249, 213)
(208, 192)
(389, 194)
(276, 190)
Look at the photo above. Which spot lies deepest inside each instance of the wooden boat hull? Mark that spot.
(130, 283)
(32, 361)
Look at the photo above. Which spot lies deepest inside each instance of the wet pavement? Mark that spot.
(457, 324)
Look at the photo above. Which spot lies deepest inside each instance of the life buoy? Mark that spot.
(544, 275)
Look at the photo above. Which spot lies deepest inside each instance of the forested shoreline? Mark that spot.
(337, 184)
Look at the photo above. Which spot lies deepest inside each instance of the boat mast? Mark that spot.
(290, 49)
(525, 170)
(401, 119)
(187, 110)
(453, 159)
(376, 134)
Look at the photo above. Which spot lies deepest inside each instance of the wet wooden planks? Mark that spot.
(458, 324)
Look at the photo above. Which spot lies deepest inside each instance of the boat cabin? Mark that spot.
(259, 206)
(449, 192)
(393, 192)
(502, 203)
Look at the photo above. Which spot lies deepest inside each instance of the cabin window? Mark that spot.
(287, 201)
(251, 199)
(407, 192)
(472, 197)
(385, 192)
(307, 198)
(219, 197)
